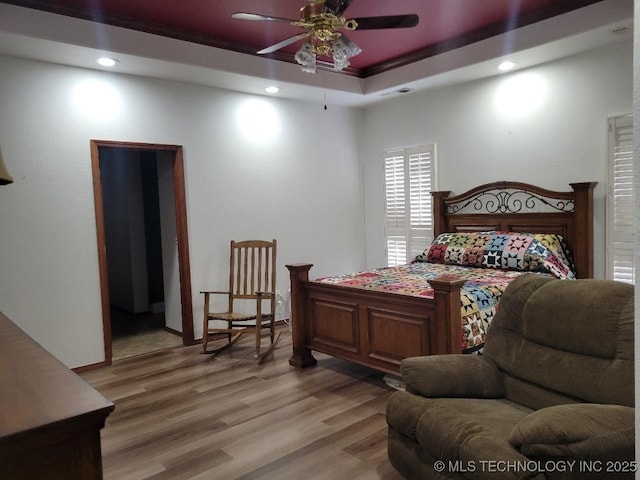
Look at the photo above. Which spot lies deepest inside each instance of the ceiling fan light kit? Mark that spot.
(343, 50)
(306, 57)
(322, 19)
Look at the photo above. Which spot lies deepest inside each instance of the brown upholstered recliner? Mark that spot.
(552, 396)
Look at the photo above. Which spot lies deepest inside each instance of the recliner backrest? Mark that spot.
(564, 341)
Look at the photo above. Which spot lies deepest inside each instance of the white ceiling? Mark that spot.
(49, 37)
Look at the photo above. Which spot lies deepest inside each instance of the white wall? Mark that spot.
(559, 137)
(300, 183)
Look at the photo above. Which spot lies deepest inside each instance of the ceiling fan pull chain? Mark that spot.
(324, 86)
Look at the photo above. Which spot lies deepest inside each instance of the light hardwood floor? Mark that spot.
(133, 334)
(183, 415)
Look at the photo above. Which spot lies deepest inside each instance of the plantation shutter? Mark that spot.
(409, 179)
(620, 226)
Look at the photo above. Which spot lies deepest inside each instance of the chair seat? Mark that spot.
(231, 316)
(453, 429)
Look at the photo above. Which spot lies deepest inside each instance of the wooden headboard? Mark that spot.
(520, 207)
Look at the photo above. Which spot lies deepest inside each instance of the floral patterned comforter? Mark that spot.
(479, 295)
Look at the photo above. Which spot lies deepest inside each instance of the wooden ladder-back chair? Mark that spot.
(252, 281)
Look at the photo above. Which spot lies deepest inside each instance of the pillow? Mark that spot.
(575, 430)
(528, 252)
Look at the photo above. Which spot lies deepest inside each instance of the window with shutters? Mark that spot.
(620, 227)
(409, 180)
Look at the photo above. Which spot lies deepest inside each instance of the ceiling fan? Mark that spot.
(322, 20)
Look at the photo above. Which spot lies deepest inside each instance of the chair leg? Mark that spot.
(273, 328)
(205, 335)
(258, 335)
(205, 323)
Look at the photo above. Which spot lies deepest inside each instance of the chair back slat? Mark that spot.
(252, 268)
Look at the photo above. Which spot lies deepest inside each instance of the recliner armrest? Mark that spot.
(581, 430)
(454, 376)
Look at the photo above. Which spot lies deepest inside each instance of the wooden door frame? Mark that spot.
(181, 233)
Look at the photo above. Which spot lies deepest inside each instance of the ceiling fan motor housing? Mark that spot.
(323, 26)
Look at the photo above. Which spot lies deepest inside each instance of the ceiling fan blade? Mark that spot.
(284, 43)
(256, 16)
(337, 7)
(390, 21)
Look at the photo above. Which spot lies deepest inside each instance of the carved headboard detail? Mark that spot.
(521, 207)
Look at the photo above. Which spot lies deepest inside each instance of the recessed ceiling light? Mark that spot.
(506, 65)
(107, 62)
(272, 89)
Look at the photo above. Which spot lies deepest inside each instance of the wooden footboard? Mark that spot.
(375, 329)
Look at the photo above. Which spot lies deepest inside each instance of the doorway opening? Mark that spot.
(143, 249)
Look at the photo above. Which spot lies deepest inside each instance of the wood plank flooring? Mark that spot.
(133, 334)
(183, 415)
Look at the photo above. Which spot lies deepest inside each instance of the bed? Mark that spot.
(378, 328)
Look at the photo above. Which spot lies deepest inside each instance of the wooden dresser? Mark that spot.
(50, 418)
